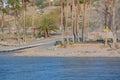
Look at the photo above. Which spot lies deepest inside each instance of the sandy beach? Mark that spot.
(78, 50)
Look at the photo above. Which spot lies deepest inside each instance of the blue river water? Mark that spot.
(56, 68)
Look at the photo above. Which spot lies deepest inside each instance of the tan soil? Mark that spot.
(79, 50)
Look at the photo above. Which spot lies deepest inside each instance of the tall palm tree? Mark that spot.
(66, 17)
(75, 26)
(113, 24)
(24, 6)
(85, 4)
(84, 20)
(4, 11)
(33, 26)
(15, 5)
(107, 20)
(62, 18)
(74, 20)
(78, 9)
(78, 18)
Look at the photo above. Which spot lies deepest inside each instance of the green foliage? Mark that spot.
(27, 1)
(57, 3)
(4, 10)
(39, 2)
(42, 5)
(15, 4)
(81, 1)
(48, 22)
(64, 45)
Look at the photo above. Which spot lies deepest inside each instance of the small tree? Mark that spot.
(47, 24)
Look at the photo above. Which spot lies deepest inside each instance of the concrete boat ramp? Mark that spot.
(29, 45)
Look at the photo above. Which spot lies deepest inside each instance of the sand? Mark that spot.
(3, 48)
(78, 50)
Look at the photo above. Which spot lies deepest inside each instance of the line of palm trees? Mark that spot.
(78, 10)
(78, 6)
(16, 6)
(110, 20)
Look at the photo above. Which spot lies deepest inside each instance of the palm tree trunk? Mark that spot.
(73, 20)
(24, 28)
(67, 8)
(33, 18)
(62, 20)
(78, 18)
(24, 21)
(48, 33)
(107, 21)
(84, 21)
(24, 4)
(17, 27)
(45, 33)
(114, 26)
(9, 21)
(75, 26)
(2, 25)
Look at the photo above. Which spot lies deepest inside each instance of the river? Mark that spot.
(56, 68)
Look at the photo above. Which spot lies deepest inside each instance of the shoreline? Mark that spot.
(79, 50)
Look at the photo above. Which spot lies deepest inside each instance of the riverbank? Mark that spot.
(78, 50)
(13, 47)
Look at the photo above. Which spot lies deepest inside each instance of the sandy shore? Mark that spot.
(3, 48)
(79, 50)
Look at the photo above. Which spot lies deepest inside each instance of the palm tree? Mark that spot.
(9, 19)
(85, 7)
(107, 21)
(78, 18)
(1, 3)
(24, 6)
(15, 5)
(62, 18)
(66, 17)
(74, 26)
(4, 10)
(47, 24)
(33, 22)
(77, 15)
(113, 25)
(75, 19)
